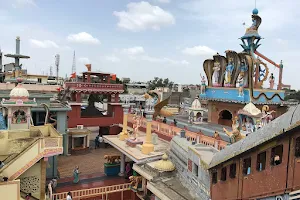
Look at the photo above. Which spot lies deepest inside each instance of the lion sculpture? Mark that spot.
(112, 159)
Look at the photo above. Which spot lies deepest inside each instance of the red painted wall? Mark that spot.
(76, 119)
(127, 195)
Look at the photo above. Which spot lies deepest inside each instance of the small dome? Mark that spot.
(255, 11)
(252, 109)
(19, 91)
(165, 164)
(196, 103)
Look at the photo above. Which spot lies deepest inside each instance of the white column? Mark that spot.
(122, 165)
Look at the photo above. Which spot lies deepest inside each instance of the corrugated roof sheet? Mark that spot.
(287, 121)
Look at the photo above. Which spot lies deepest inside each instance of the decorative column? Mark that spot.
(122, 165)
(124, 134)
(43, 177)
(148, 145)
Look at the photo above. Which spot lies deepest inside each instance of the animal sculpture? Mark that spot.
(235, 135)
(112, 159)
(134, 181)
(158, 104)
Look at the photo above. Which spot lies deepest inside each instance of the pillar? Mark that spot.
(124, 134)
(43, 178)
(279, 86)
(147, 146)
(78, 97)
(122, 165)
(61, 128)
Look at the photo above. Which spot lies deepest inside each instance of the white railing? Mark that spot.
(295, 195)
(92, 192)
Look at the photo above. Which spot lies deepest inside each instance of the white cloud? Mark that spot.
(134, 50)
(281, 41)
(198, 51)
(43, 44)
(160, 60)
(84, 60)
(83, 37)
(163, 1)
(112, 58)
(142, 16)
(20, 3)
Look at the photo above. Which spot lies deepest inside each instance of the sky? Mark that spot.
(143, 39)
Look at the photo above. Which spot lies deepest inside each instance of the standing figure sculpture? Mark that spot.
(267, 115)
(136, 125)
(240, 82)
(271, 81)
(228, 72)
(244, 69)
(203, 85)
(76, 175)
(216, 69)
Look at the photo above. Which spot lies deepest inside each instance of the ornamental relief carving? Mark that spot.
(30, 184)
(51, 143)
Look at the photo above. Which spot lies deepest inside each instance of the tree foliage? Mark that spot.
(159, 82)
(292, 94)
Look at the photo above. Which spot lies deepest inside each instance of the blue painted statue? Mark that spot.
(2, 122)
(76, 175)
(228, 72)
(244, 69)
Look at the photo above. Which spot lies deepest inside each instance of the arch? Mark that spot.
(225, 118)
(19, 117)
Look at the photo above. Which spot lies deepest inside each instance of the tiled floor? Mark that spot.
(89, 163)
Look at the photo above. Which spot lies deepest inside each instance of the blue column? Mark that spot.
(62, 127)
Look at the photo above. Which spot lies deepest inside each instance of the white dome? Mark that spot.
(252, 109)
(196, 103)
(19, 91)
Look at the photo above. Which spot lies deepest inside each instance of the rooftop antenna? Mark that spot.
(57, 59)
(51, 71)
(74, 64)
(1, 66)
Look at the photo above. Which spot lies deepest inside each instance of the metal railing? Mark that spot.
(92, 192)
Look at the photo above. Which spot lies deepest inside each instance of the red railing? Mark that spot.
(92, 192)
(171, 130)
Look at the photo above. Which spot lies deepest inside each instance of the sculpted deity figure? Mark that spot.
(216, 69)
(229, 70)
(240, 82)
(203, 85)
(249, 126)
(244, 69)
(271, 81)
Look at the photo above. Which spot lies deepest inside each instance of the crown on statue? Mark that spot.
(217, 62)
(230, 59)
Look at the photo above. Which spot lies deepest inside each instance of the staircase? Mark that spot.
(41, 141)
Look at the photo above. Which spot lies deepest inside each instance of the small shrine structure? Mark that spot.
(196, 112)
(237, 79)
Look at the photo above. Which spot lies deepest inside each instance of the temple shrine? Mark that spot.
(94, 83)
(235, 90)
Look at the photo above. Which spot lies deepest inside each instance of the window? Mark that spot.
(39, 80)
(276, 155)
(195, 170)
(223, 174)
(297, 147)
(247, 166)
(214, 177)
(232, 172)
(261, 161)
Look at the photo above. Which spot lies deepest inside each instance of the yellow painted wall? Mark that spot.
(29, 179)
(10, 190)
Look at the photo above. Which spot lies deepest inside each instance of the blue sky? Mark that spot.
(143, 39)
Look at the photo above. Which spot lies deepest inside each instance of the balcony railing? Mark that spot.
(170, 131)
(92, 192)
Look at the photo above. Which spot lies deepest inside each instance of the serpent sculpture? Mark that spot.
(48, 115)
(158, 104)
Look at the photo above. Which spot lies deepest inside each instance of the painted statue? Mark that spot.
(254, 24)
(267, 115)
(216, 69)
(203, 85)
(235, 135)
(240, 82)
(249, 126)
(228, 72)
(244, 69)
(2, 121)
(76, 175)
(158, 104)
(271, 81)
(136, 125)
(135, 181)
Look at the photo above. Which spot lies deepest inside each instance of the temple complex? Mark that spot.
(25, 148)
(237, 79)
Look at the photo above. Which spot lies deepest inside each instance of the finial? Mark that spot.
(18, 37)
